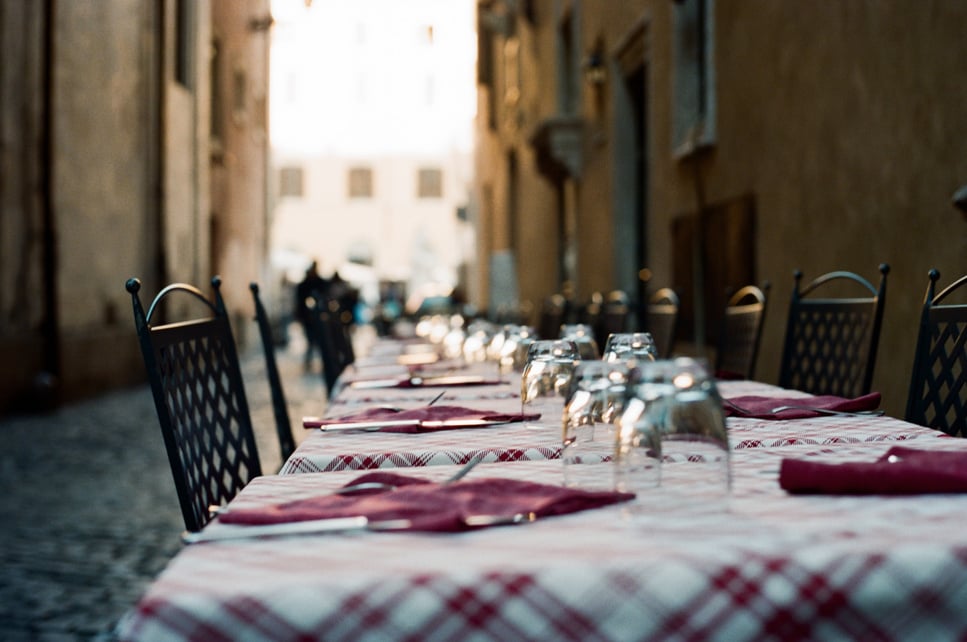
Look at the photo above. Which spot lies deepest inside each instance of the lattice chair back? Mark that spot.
(938, 385)
(662, 319)
(614, 315)
(831, 343)
(197, 385)
(335, 341)
(741, 332)
(283, 425)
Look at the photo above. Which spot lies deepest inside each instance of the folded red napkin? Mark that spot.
(761, 407)
(901, 471)
(432, 506)
(425, 419)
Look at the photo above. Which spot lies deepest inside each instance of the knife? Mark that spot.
(370, 426)
(334, 525)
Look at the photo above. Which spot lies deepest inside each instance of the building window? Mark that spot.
(239, 96)
(429, 183)
(291, 182)
(360, 182)
(217, 106)
(183, 42)
(694, 75)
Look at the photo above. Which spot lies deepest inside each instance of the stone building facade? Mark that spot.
(811, 136)
(133, 144)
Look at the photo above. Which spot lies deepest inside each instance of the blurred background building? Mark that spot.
(615, 145)
(372, 125)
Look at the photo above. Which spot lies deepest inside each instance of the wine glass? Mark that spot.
(594, 402)
(545, 378)
(583, 336)
(624, 346)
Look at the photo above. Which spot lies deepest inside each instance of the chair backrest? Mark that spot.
(741, 332)
(198, 393)
(831, 343)
(938, 385)
(335, 341)
(283, 426)
(662, 319)
(613, 317)
(552, 317)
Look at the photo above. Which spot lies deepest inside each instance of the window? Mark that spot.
(217, 105)
(291, 181)
(430, 183)
(694, 75)
(183, 42)
(360, 182)
(239, 95)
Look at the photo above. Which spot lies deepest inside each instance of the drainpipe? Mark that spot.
(46, 385)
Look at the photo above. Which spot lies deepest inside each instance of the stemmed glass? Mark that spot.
(624, 346)
(594, 402)
(546, 377)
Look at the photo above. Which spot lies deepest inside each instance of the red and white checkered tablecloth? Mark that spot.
(534, 441)
(678, 563)
(672, 565)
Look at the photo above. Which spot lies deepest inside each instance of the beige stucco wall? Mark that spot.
(844, 120)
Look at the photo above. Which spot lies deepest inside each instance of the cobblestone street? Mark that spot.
(89, 509)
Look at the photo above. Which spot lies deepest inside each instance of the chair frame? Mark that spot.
(941, 341)
(199, 396)
(741, 332)
(283, 424)
(335, 341)
(840, 358)
(663, 305)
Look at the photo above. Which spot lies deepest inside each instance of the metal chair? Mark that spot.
(196, 381)
(551, 317)
(613, 317)
(741, 333)
(283, 426)
(662, 319)
(335, 340)
(831, 343)
(938, 385)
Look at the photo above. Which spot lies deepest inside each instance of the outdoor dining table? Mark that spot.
(763, 565)
(537, 439)
(673, 563)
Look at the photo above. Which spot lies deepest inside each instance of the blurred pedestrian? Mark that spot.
(312, 288)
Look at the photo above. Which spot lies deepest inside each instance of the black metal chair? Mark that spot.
(613, 317)
(938, 385)
(662, 320)
(196, 381)
(283, 425)
(741, 333)
(831, 343)
(552, 317)
(335, 340)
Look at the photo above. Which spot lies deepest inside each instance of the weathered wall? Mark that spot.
(843, 121)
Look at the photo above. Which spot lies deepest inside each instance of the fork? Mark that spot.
(827, 411)
(460, 474)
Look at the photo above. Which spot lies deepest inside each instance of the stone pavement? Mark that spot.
(88, 507)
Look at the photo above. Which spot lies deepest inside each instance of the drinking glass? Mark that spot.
(674, 405)
(624, 346)
(594, 402)
(545, 379)
(506, 345)
(583, 336)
